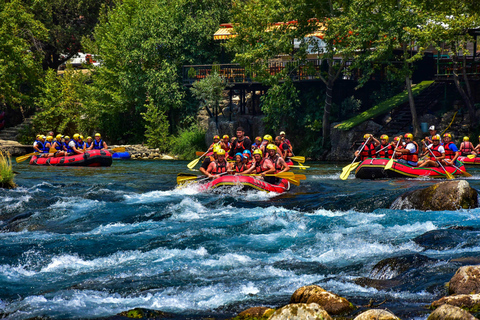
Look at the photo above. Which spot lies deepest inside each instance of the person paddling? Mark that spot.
(218, 166)
(239, 166)
(437, 149)
(59, 146)
(409, 153)
(451, 151)
(467, 148)
(206, 162)
(385, 149)
(247, 158)
(262, 166)
(367, 148)
(278, 162)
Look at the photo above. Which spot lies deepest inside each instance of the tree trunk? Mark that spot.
(328, 104)
(417, 132)
(465, 98)
(470, 105)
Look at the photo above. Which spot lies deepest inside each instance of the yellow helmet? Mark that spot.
(67, 138)
(384, 137)
(226, 136)
(43, 137)
(39, 136)
(258, 151)
(447, 135)
(221, 152)
(216, 148)
(98, 135)
(466, 139)
(49, 138)
(80, 137)
(268, 138)
(89, 137)
(436, 137)
(271, 147)
(75, 136)
(408, 136)
(216, 137)
(366, 135)
(59, 136)
(396, 139)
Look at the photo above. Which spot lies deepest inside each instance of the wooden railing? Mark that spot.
(446, 66)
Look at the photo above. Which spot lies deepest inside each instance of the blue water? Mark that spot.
(92, 242)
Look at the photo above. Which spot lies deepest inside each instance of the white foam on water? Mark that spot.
(15, 272)
(228, 260)
(78, 204)
(189, 209)
(160, 196)
(16, 204)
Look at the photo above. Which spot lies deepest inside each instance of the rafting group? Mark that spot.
(436, 157)
(262, 165)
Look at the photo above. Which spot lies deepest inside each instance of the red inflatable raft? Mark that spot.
(247, 183)
(374, 169)
(91, 158)
(466, 160)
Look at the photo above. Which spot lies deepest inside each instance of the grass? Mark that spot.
(187, 142)
(6, 171)
(382, 107)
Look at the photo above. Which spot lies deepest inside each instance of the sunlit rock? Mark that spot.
(301, 311)
(469, 302)
(332, 303)
(465, 281)
(448, 312)
(255, 313)
(447, 195)
(141, 313)
(376, 314)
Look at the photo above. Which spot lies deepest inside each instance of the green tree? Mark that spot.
(209, 90)
(19, 67)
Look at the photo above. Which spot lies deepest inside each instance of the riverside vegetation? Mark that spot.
(6, 171)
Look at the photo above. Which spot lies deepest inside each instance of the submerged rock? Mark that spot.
(447, 195)
(469, 302)
(448, 312)
(300, 311)
(141, 313)
(441, 239)
(332, 303)
(376, 314)
(392, 267)
(465, 281)
(256, 313)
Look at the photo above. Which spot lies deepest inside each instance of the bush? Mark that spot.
(188, 141)
(156, 127)
(6, 171)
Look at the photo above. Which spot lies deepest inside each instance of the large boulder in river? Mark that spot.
(300, 311)
(332, 303)
(447, 195)
(469, 302)
(392, 267)
(255, 313)
(448, 312)
(376, 314)
(465, 281)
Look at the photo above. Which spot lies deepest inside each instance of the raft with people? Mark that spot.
(244, 183)
(90, 158)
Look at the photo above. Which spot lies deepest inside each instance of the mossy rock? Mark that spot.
(141, 313)
(332, 303)
(255, 313)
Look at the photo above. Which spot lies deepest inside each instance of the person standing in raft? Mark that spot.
(409, 153)
(240, 144)
(206, 162)
(467, 148)
(451, 150)
(369, 150)
(98, 143)
(262, 166)
(432, 132)
(385, 149)
(218, 166)
(437, 150)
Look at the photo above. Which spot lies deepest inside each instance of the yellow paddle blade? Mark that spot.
(347, 169)
(300, 167)
(471, 156)
(283, 175)
(25, 157)
(298, 159)
(52, 150)
(293, 181)
(193, 163)
(300, 177)
(119, 149)
(449, 175)
(389, 164)
(181, 179)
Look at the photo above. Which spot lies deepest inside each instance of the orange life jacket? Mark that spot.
(449, 154)
(467, 147)
(220, 168)
(435, 152)
(368, 151)
(413, 157)
(385, 153)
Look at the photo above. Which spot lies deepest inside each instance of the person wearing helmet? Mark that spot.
(59, 146)
(75, 137)
(247, 158)
(239, 166)
(451, 150)
(38, 144)
(437, 149)
(225, 143)
(433, 131)
(79, 145)
(283, 148)
(284, 139)
(219, 166)
(278, 162)
(409, 153)
(206, 162)
(477, 148)
(47, 145)
(385, 149)
(257, 144)
(98, 143)
(262, 166)
(240, 144)
(89, 143)
(367, 148)
(70, 146)
(216, 142)
(466, 147)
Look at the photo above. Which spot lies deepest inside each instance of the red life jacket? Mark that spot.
(385, 153)
(449, 154)
(276, 163)
(467, 148)
(282, 149)
(240, 168)
(413, 157)
(259, 167)
(220, 168)
(368, 151)
(435, 152)
(227, 148)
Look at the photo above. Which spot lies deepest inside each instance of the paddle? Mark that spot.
(464, 173)
(26, 156)
(471, 156)
(448, 174)
(193, 163)
(283, 175)
(389, 164)
(119, 149)
(298, 159)
(300, 177)
(347, 169)
(300, 166)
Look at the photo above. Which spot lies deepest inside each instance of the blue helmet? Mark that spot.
(248, 153)
(239, 154)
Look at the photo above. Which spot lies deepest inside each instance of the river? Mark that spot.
(92, 242)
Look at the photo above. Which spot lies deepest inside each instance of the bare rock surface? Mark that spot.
(256, 312)
(332, 303)
(469, 302)
(448, 312)
(376, 314)
(301, 311)
(447, 195)
(465, 281)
